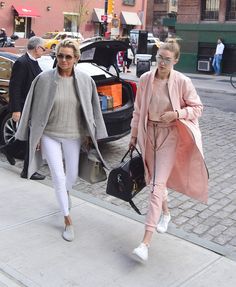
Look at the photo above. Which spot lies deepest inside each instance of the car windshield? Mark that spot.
(49, 35)
(46, 62)
(93, 71)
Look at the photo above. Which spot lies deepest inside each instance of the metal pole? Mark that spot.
(105, 20)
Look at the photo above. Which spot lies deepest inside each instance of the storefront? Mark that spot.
(198, 44)
(23, 20)
(21, 16)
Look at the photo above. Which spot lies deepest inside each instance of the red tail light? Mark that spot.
(133, 86)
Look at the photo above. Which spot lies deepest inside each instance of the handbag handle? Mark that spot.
(131, 153)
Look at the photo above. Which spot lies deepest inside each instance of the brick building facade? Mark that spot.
(160, 18)
(199, 24)
(42, 16)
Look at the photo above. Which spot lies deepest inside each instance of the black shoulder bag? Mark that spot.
(127, 179)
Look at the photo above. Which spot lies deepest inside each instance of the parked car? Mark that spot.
(153, 43)
(95, 58)
(53, 38)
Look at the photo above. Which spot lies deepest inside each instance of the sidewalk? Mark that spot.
(33, 253)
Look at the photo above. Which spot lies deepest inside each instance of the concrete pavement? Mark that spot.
(33, 253)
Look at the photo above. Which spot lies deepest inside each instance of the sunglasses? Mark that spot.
(42, 48)
(166, 61)
(65, 57)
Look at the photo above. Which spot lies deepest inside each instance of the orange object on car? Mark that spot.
(114, 90)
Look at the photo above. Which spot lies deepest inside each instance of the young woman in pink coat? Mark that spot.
(165, 126)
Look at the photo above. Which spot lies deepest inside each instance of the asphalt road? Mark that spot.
(224, 102)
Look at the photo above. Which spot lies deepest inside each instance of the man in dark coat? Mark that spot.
(24, 71)
(3, 37)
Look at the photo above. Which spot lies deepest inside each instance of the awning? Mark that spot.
(130, 18)
(26, 12)
(97, 15)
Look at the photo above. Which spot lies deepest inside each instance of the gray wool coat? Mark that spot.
(39, 103)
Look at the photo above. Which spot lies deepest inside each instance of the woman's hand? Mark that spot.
(88, 143)
(16, 116)
(132, 143)
(168, 117)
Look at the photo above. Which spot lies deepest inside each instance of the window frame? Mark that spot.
(129, 2)
(231, 10)
(210, 10)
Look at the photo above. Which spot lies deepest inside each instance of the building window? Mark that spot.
(231, 10)
(129, 2)
(158, 17)
(71, 22)
(210, 10)
(159, 1)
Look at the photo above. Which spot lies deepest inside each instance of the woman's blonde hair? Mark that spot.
(171, 45)
(69, 43)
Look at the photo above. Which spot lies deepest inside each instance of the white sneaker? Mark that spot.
(141, 251)
(162, 226)
(68, 233)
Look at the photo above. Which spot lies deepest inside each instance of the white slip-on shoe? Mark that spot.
(141, 252)
(162, 226)
(68, 233)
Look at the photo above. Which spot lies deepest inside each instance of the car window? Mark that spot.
(92, 70)
(88, 55)
(49, 35)
(46, 63)
(5, 68)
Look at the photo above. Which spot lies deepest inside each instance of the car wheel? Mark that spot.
(8, 129)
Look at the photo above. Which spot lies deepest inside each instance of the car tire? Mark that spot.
(8, 129)
(7, 133)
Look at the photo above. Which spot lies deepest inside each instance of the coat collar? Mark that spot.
(34, 65)
(170, 83)
(171, 77)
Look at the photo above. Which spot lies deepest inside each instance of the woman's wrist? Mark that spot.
(177, 114)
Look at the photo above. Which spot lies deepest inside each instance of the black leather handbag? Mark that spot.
(127, 179)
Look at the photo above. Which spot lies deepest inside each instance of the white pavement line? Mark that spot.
(10, 277)
(13, 226)
(196, 274)
(8, 281)
(221, 272)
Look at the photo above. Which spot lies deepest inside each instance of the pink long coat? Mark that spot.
(189, 175)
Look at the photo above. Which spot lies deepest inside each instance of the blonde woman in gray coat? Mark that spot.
(61, 113)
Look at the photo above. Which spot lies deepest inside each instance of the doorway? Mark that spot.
(22, 26)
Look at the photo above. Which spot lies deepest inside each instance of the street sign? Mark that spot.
(115, 22)
(104, 18)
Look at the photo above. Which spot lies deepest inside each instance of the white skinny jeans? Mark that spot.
(53, 150)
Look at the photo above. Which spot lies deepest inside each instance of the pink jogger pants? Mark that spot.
(160, 158)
